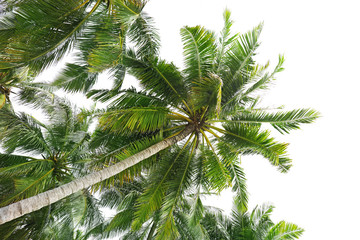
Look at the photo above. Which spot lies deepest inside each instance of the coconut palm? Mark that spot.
(254, 225)
(40, 156)
(212, 102)
(36, 34)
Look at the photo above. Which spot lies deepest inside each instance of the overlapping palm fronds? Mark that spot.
(41, 156)
(215, 94)
(208, 114)
(244, 225)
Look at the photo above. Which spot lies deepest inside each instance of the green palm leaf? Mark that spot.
(29, 186)
(21, 132)
(262, 81)
(199, 45)
(50, 22)
(248, 139)
(215, 171)
(153, 196)
(224, 42)
(206, 91)
(283, 231)
(159, 78)
(281, 121)
(33, 166)
(141, 119)
(76, 78)
(239, 62)
(145, 37)
(239, 186)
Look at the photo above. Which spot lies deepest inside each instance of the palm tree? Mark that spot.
(213, 103)
(41, 156)
(254, 225)
(36, 34)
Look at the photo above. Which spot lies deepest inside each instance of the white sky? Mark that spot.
(320, 40)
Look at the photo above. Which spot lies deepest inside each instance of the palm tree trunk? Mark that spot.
(18, 209)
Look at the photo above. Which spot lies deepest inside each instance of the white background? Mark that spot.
(320, 40)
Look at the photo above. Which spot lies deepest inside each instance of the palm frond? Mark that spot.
(29, 186)
(50, 22)
(216, 173)
(153, 196)
(124, 217)
(239, 63)
(248, 139)
(239, 186)
(158, 77)
(33, 166)
(284, 230)
(75, 78)
(260, 219)
(21, 132)
(36, 95)
(263, 82)
(206, 91)
(199, 45)
(12, 159)
(177, 186)
(141, 119)
(224, 41)
(130, 98)
(30, 226)
(215, 224)
(108, 41)
(197, 211)
(145, 36)
(90, 214)
(281, 121)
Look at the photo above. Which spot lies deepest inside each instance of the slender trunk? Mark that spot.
(18, 209)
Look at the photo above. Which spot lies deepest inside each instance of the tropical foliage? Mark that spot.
(36, 34)
(254, 225)
(215, 95)
(207, 115)
(40, 156)
(202, 222)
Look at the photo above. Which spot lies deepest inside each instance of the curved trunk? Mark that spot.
(18, 209)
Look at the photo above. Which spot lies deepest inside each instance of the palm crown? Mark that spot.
(41, 156)
(213, 100)
(217, 86)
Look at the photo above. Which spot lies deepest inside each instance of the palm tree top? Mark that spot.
(214, 99)
(215, 94)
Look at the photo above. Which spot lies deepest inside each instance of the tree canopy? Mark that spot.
(182, 133)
